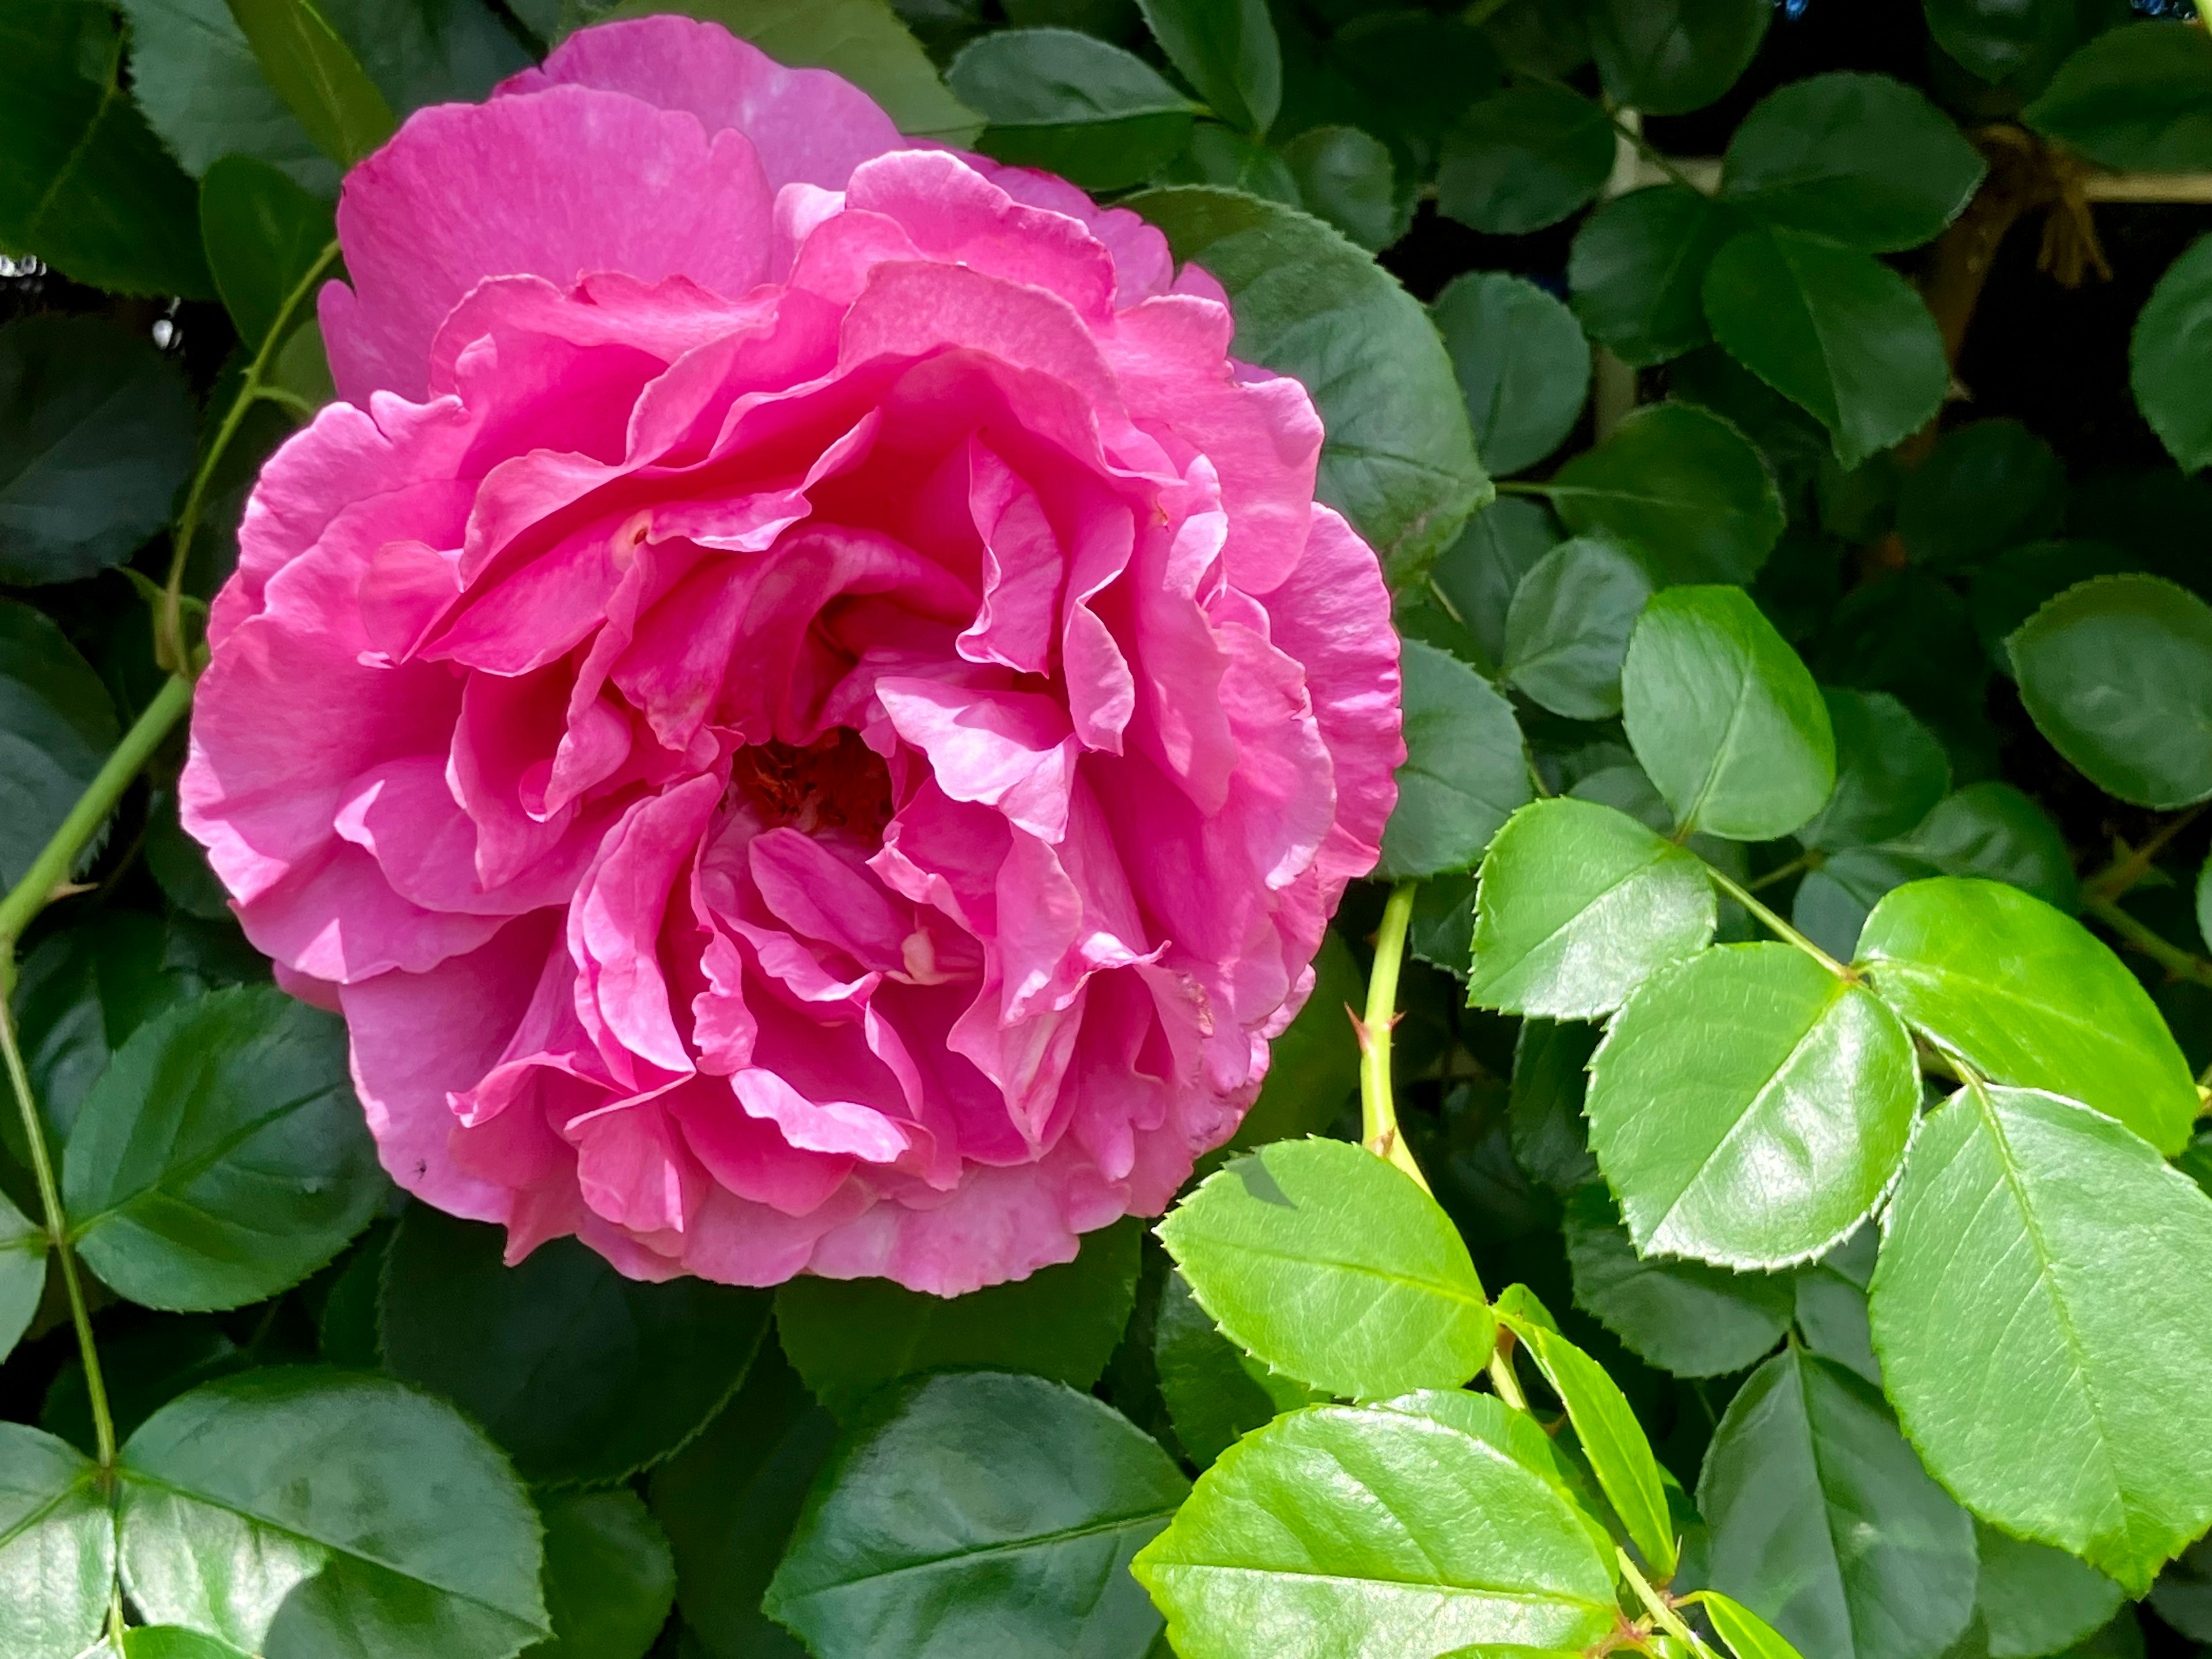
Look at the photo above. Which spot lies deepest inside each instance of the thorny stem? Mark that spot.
(1782, 930)
(2177, 961)
(1378, 1113)
(2123, 873)
(1669, 1621)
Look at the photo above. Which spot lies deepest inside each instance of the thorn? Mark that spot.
(63, 890)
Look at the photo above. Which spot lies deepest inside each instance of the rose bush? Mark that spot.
(801, 705)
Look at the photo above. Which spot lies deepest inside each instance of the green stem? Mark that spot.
(1796, 866)
(1503, 1383)
(1651, 152)
(2180, 964)
(1782, 930)
(1669, 1621)
(1378, 1112)
(2121, 874)
(50, 871)
(1522, 487)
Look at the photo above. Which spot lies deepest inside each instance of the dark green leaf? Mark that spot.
(1824, 1522)
(1682, 1317)
(316, 74)
(195, 76)
(172, 1642)
(1346, 176)
(1568, 627)
(1398, 460)
(1680, 485)
(1522, 364)
(1550, 1141)
(428, 51)
(1858, 159)
(1477, 576)
(2039, 1313)
(1524, 159)
(609, 1580)
(1989, 485)
(1830, 1311)
(2183, 1594)
(56, 1546)
(579, 1373)
(2017, 583)
(298, 1513)
(264, 237)
(981, 1513)
(57, 725)
(2171, 353)
(1670, 57)
(1216, 1393)
(2036, 1600)
(145, 1369)
(1748, 1636)
(1416, 69)
(1890, 772)
(1218, 154)
(2004, 41)
(179, 865)
(1340, 1530)
(1637, 270)
(1071, 105)
(1324, 1261)
(1464, 773)
(1314, 1066)
(22, 1272)
(2138, 97)
(1226, 49)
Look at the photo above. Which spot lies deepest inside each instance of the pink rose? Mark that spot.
(802, 708)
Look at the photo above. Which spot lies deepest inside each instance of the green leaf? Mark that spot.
(1326, 1262)
(1346, 176)
(2002, 41)
(316, 74)
(1824, 1522)
(1341, 1530)
(22, 1273)
(1680, 485)
(296, 1513)
(1857, 159)
(862, 41)
(1890, 773)
(56, 1546)
(1637, 270)
(145, 1369)
(1831, 1305)
(980, 1513)
(609, 1579)
(2169, 353)
(2134, 98)
(2204, 900)
(1568, 626)
(2026, 995)
(1545, 1108)
(2035, 1600)
(2183, 1594)
(172, 1642)
(1674, 56)
(83, 184)
(1682, 1316)
(57, 725)
(1313, 1069)
(1749, 1107)
(1724, 717)
(1612, 1439)
(850, 1337)
(1226, 49)
(728, 1501)
(1222, 155)
(222, 1158)
(1748, 1636)
(1988, 486)
(1522, 364)
(1834, 330)
(1397, 460)
(1524, 158)
(195, 78)
(1486, 1417)
(2017, 583)
(579, 1373)
(95, 436)
(1464, 773)
(1477, 576)
(1578, 905)
(428, 51)
(1215, 1394)
(264, 237)
(2038, 1311)
(2118, 674)
(1071, 105)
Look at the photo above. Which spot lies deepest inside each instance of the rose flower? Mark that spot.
(801, 706)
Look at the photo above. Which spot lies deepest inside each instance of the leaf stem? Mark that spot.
(169, 649)
(1651, 153)
(1503, 1383)
(1378, 1112)
(2123, 873)
(1669, 1621)
(1781, 929)
(2177, 961)
(1796, 866)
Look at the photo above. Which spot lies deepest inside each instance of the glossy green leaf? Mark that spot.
(1669, 57)
(579, 1373)
(1477, 575)
(265, 236)
(1637, 270)
(56, 1546)
(2035, 1600)
(1749, 1107)
(2026, 995)
(1988, 486)
(1680, 485)
(83, 184)
(1215, 1394)
(296, 1513)
(1522, 364)
(1464, 773)
(1834, 330)
(1544, 1119)
(1568, 626)
(728, 1501)
(316, 74)
(1223, 155)
(1313, 1069)
(1747, 1635)
(22, 1272)
(1397, 460)
(57, 724)
(1831, 1312)
(1343, 1530)
(1824, 1522)
(850, 1337)
(608, 1578)
(1578, 905)
(1518, 1434)
(1891, 772)
(1346, 176)
(2020, 45)
(2039, 1313)
(222, 1158)
(2118, 674)
(1682, 1317)
(1071, 104)
(172, 1642)
(982, 1512)
(194, 76)
(1226, 49)
(1326, 1262)
(1524, 158)
(1858, 159)
(95, 436)
(428, 51)
(2017, 583)
(1724, 717)
(2138, 97)
(2170, 352)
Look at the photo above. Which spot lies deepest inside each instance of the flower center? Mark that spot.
(835, 780)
